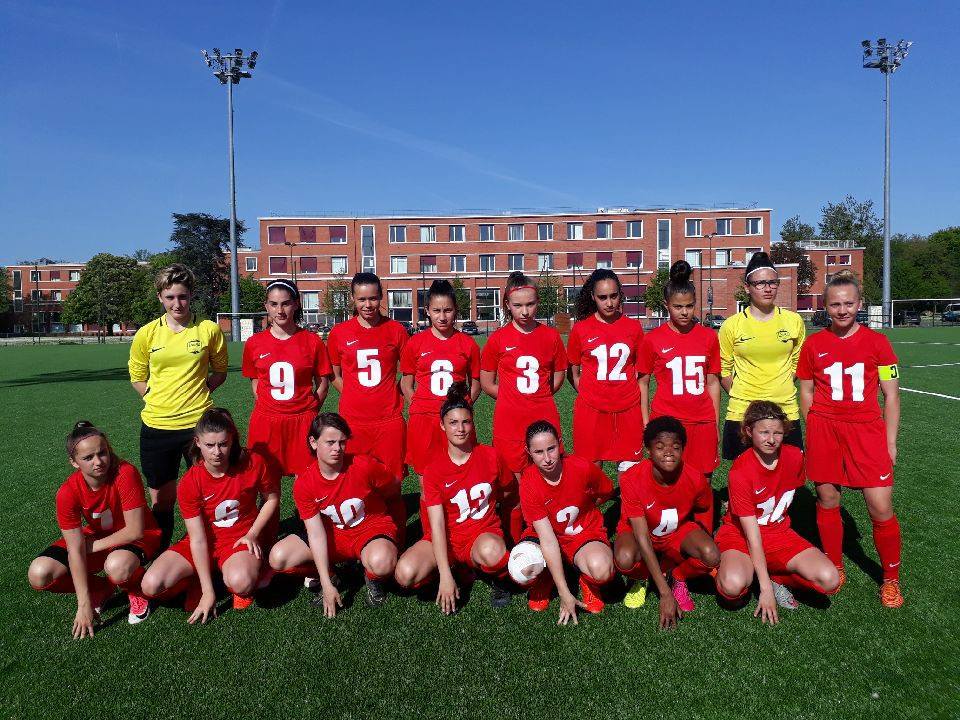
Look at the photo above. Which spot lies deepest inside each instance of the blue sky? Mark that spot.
(110, 121)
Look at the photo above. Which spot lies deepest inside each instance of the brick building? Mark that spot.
(828, 259)
(409, 251)
(37, 293)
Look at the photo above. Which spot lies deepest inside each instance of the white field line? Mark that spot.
(929, 366)
(924, 392)
(918, 342)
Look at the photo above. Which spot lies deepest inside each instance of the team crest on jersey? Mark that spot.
(194, 346)
(783, 335)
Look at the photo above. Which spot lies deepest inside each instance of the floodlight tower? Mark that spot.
(886, 58)
(229, 69)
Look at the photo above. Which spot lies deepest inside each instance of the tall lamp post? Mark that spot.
(293, 268)
(710, 259)
(886, 58)
(229, 69)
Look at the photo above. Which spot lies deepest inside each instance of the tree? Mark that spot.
(793, 235)
(105, 293)
(145, 306)
(945, 244)
(653, 298)
(548, 295)
(854, 224)
(336, 298)
(5, 292)
(463, 298)
(142, 255)
(253, 295)
(201, 242)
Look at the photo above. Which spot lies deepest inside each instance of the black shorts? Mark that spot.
(161, 452)
(733, 444)
(60, 554)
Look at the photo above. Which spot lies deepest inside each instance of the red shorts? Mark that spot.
(148, 547)
(701, 449)
(384, 441)
(426, 440)
(460, 545)
(615, 436)
(218, 554)
(281, 439)
(668, 546)
(847, 453)
(510, 433)
(570, 544)
(346, 545)
(779, 547)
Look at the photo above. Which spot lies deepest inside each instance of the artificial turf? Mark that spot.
(281, 658)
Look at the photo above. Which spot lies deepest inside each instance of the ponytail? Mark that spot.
(679, 283)
(458, 398)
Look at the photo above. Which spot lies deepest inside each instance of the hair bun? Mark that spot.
(459, 392)
(82, 425)
(844, 275)
(680, 271)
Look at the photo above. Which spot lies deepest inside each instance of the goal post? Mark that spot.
(250, 322)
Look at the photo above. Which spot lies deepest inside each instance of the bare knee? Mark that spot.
(600, 567)
(732, 583)
(710, 555)
(490, 551)
(828, 495)
(828, 577)
(382, 562)
(281, 557)
(152, 584)
(40, 574)
(405, 572)
(241, 582)
(625, 559)
(118, 569)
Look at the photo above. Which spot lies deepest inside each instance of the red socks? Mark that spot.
(64, 584)
(638, 571)
(886, 538)
(797, 582)
(499, 569)
(132, 584)
(830, 525)
(691, 567)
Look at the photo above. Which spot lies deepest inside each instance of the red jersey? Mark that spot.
(571, 504)
(607, 356)
(524, 363)
(665, 507)
(680, 363)
(102, 509)
(468, 493)
(285, 370)
(368, 358)
(844, 373)
(436, 363)
(228, 504)
(355, 495)
(762, 493)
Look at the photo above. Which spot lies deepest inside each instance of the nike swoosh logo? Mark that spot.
(153, 350)
(744, 339)
(819, 355)
(508, 348)
(666, 350)
(593, 338)
(449, 485)
(263, 355)
(884, 477)
(651, 504)
(321, 499)
(208, 497)
(351, 342)
(893, 565)
(547, 502)
(638, 452)
(757, 492)
(424, 354)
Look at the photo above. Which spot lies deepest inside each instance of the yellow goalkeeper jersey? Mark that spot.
(175, 367)
(762, 359)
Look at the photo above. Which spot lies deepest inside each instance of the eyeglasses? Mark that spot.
(763, 283)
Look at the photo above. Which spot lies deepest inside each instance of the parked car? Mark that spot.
(409, 327)
(713, 321)
(952, 313)
(470, 328)
(820, 319)
(322, 330)
(907, 317)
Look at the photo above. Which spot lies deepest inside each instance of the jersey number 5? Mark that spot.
(369, 372)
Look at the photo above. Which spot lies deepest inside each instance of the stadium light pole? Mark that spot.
(885, 58)
(292, 268)
(229, 69)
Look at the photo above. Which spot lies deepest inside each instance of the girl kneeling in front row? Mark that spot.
(461, 489)
(755, 537)
(559, 496)
(342, 500)
(119, 538)
(218, 501)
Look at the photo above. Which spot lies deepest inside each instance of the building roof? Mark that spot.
(508, 213)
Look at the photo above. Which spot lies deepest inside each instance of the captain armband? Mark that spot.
(888, 372)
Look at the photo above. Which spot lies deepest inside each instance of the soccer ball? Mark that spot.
(526, 562)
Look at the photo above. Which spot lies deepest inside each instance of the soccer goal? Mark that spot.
(249, 323)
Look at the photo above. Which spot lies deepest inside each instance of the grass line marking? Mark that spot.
(924, 392)
(935, 365)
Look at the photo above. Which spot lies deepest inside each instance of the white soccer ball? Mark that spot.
(526, 562)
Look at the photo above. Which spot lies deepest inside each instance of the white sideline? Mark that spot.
(924, 392)
(936, 365)
(918, 342)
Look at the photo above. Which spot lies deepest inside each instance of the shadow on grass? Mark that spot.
(68, 376)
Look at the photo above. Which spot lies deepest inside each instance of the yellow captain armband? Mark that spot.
(888, 372)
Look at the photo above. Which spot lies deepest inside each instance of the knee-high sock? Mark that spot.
(397, 510)
(499, 569)
(164, 519)
(730, 598)
(886, 538)
(691, 567)
(132, 583)
(303, 571)
(797, 582)
(64, 584)
(637, 571)
(830, 525)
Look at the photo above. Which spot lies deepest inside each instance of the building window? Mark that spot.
(338, 234)
(663, 244)
(694, 228)
(278, 266)
(456, 233)
(749, 254)
(338, 265)
(251, 264)
(398, 233)
(693, 257)
(544, 231)
(843, 260)
(56, 295)
(515, 261)
(754, 226)
(488, 263)
(488, 303)
(398, 264)
(544, 261)
(515, 232)
(308, 265)
(74, 276)
(634, 258)
(604, 230)
(605, 260)
(831, 259)
(401, 304)
(310, 303)
(575, 231)
(276, 235)
(721, 257)
(54, 274)
(487, 233)
(575, 261)
(368, 249)
(34, 276)
(428, 263)
(724, 226)
(36, 295)
(458, 263)
(428, 233)
(633, 300)
(635, 229)
(308, 234)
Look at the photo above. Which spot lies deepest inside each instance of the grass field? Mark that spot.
(852, 659)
